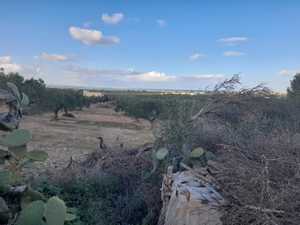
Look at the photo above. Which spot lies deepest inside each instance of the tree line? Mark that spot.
(46, 99)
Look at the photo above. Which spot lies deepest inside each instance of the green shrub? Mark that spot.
(100, 200)
(151, 106)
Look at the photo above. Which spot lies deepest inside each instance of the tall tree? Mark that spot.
(293, 92)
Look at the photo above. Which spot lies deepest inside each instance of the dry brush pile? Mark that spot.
(254, 135)
(111, 186)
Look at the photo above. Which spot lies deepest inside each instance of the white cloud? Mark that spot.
(131, 78)
(196, 56)
(112, 19)
(207, 77)
(11, 67)
(120, 74)
(5, 59)
(54, 57)
(287, 72)
(133, 75)
(92, 37)
(233, 40)
(161, 23)
(152, 76)
(99, 72)
(233, 54)
(8, 66)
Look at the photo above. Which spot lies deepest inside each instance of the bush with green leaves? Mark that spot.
(102, 199)
(153, 105)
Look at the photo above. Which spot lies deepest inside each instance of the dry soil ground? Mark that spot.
(77, 137)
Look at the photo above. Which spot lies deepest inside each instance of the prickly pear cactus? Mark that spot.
(16, 138)
(32, 214)
(13, 150)
(53, 212)
(13, 145)
(197, 153)
(200, 157)
(14, 155)
(162, 153)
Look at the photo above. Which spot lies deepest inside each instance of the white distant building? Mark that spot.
(89, 93)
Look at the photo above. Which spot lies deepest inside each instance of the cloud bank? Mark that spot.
(152, 76)
(128, 78)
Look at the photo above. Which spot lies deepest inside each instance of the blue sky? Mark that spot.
(151, 44)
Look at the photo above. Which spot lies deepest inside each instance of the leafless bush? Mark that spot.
(259, 175)
(259, 166)
(258, 162)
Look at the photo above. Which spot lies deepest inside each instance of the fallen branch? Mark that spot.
(265, 210)
(145, 148)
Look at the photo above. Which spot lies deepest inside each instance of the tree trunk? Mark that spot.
(187, 200)
(66, 110)
(56, 111)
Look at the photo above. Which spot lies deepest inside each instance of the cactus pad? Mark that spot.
(16, 138)
(55, 212)
(162, 153)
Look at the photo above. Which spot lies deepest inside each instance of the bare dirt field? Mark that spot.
(77, 137)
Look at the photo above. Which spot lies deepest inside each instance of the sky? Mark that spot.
(170, 44)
